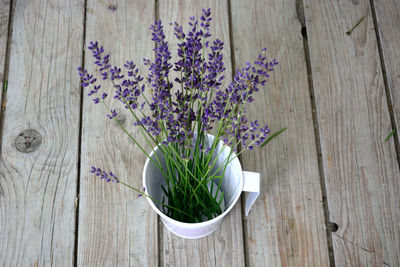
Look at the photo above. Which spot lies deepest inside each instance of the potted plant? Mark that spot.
(192, 178)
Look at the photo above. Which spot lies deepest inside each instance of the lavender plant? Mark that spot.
(183, 111)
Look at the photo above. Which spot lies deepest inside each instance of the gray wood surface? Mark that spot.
(343, 114)
(116, 228)
(286, 224)
(361, 170)
(38, 169)
(225, 246)
(388, 22)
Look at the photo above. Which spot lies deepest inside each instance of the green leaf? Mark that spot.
(390, 135)
(355, 26)
(220, 200)
(5, 86)
(269, 139)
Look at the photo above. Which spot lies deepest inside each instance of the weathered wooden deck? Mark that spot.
(330, 184)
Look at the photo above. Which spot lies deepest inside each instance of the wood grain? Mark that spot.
(225, 246)
(388, 22)
(116, 228)
(361, 170)
(38, 185)
(286, 225)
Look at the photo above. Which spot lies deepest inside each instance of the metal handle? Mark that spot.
(251, 185)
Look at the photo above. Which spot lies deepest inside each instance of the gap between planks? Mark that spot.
(242, 200)
(301, 18)
(386, 82)
(5, 67)
(79, 144)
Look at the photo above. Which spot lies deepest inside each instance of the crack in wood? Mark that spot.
(355, 244)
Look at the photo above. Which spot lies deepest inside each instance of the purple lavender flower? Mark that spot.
(108, 177)
(141, 194)
(205, 20)
(101, 61)
(129, 90)
(113, 114)
(178, 31)
(115, 73)
(86, 78)
(94, 90)
(112, 7)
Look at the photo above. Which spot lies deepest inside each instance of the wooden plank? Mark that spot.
(4, 20)
(38, 170)
(225, 246)
(388, 20)
(116, 228)
(360, 168)
(286, 225)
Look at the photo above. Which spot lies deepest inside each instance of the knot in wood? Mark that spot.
(333, 227)
(121, 118)
(28, 141)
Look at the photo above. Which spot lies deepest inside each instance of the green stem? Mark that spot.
(134, 140)
(154, 200)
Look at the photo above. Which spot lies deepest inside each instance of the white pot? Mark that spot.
(234, 182)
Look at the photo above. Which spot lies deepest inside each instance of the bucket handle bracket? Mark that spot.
(251, 185)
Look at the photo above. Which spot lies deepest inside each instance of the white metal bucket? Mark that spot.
(234, 182)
